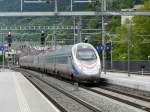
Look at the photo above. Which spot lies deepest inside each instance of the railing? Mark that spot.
(137, 66)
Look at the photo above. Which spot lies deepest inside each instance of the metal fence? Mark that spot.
(135, 66)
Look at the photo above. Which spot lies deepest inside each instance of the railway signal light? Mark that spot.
(42, 38)
(9, 39)
(86, 40)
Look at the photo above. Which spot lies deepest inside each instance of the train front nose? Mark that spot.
(87, 63)
(89, 72)
(91, 77)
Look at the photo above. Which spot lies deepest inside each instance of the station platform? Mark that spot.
(17, 94)
(140, 82)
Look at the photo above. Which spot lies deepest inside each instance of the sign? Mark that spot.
(2, 48)
(108, 46)
(101, 47)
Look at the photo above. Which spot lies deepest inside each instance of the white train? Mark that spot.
(78, 62)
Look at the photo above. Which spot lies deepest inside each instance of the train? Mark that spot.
(79, 62)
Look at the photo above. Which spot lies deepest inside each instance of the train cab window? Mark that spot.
(86, 54)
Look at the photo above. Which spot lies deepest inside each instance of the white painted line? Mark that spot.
(51, 104)
(23, 105)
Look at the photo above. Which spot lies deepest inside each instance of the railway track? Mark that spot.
(132, 100)
(127, 94)
(45, 94)
(147, 99)
(35, 80)
(139, 102)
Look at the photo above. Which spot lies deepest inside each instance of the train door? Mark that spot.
(70, 66)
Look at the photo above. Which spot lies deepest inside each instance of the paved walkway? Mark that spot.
(17, 94)
(134, 81)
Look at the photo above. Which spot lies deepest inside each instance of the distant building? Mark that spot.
(125, 18)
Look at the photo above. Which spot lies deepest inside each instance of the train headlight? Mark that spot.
(79, 65)
(98, 66)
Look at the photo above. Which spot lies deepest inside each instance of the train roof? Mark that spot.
(61, 51)
(66, 50)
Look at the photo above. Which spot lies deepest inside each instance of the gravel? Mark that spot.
(133, 100)
(69, 104)
(101, 102)
(129, 90)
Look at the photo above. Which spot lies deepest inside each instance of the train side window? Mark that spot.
(65, 60)
(61, 59)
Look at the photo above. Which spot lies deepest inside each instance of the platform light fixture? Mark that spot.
(35, 1)
(81, 1)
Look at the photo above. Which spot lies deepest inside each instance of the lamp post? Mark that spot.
(80, 28)
(103, 8)
(129, 45)
(3, 52)
(111, 51)
(74, 30)
(111, 55)
(56, 7)
(149, 61)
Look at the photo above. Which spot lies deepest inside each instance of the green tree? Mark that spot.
(120, 43)
(140, 37)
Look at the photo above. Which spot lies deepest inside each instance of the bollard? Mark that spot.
(142, 69)
(76, 86)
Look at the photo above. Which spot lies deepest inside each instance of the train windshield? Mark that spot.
(86, 54)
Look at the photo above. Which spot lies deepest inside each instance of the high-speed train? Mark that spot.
(79, 62)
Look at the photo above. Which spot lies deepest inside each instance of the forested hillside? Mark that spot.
(118, 33)
(14, 5)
